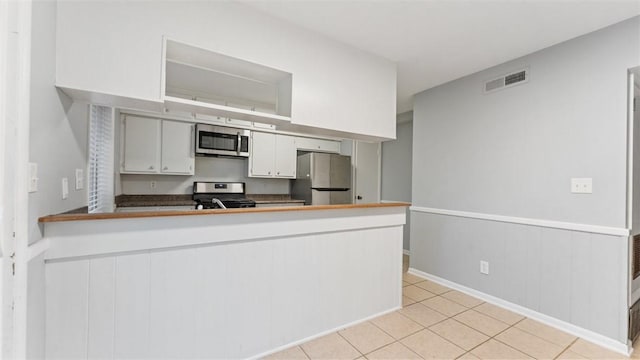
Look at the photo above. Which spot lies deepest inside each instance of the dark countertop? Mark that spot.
(185, 200)
(154, 200)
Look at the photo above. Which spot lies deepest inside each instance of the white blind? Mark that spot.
(101, 159)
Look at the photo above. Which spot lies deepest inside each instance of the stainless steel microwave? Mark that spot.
(220, 140)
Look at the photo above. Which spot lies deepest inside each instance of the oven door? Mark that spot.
(218, 140)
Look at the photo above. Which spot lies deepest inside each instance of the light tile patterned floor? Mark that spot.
(439, 323)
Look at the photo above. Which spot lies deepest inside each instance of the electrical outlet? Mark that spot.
(79, 179)
(152, 184)
(582, 185)
(484, 267)
(65, 188)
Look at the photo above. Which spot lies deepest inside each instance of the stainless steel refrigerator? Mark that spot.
(323, 179)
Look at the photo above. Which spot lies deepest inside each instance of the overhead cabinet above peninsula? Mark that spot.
(222, 59)
(210, 83)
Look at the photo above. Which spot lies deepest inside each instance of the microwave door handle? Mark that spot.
(239, 147)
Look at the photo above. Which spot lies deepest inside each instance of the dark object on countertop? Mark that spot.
(208, 195)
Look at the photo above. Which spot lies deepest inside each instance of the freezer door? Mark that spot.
(320, 197)
(340, 172)
(341, 197)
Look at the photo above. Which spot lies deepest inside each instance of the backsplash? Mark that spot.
(207, 169)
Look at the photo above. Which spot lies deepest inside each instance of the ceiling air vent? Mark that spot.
(511, 79)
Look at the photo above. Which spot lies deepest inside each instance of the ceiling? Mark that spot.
(436, 41)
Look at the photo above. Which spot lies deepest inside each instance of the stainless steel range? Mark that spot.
(220, 195)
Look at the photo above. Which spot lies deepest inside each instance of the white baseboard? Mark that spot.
(588, 335)
(406, 252)
(283, 347)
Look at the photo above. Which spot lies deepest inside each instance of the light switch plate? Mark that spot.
(65, 188)
(484, 267)
(582, 185)
(79, 179)
(33, 177)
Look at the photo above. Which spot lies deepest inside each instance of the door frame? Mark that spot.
(633, 91)
(354, 175)
(15, 91)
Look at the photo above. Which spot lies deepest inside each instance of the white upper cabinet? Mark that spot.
(108, 58)
(154, 146)
(141, 145)
(177, 155)
(285, 156)
(261, 160)
(272, 156)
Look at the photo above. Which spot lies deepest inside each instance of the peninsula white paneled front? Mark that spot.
(222, 299)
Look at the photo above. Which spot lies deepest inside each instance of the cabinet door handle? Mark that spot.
(151, 167)
(165, 168)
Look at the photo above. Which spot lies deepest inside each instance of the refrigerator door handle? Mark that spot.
(329, 189)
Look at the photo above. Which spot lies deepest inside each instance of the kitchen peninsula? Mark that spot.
(234, 283)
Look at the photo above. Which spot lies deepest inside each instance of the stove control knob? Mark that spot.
(199, 207)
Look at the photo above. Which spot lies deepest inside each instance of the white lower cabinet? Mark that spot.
(154, 146)
(272, 156)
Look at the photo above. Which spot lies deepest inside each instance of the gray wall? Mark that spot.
(396, 167)
(58, 144)
(513, 152)
(58, 127)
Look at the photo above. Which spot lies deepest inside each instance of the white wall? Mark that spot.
(396, 167)
(335, 86)
(207, 169)
(513, 152)
(58, 144)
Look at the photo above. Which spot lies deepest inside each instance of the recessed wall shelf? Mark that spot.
(205, 82)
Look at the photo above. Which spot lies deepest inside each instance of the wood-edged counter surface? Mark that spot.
(146, 214)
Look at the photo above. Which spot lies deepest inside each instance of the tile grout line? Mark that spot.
(304, 352)
(451, 316)
(447, 317)
(349, 342)
(404, 337)
(505, 330)
(567, 348)
(492, 337)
